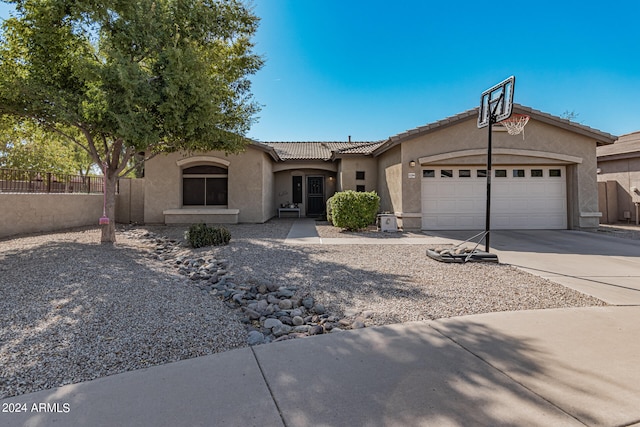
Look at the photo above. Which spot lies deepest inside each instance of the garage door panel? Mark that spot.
(517, 202)
(465, 206)
(536, 189)
(519, 221)
(500, 221)
(465, 190)
(443, 222)
(534, 206)
(557, 205)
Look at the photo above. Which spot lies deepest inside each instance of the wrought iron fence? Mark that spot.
(20, 181)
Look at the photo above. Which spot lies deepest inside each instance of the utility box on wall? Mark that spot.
(387, 222)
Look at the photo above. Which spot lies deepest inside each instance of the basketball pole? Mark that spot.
(487, 227)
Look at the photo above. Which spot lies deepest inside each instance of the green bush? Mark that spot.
(353, 210)
(199, 235)
(329, 214)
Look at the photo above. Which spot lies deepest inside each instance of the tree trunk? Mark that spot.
(109, 230)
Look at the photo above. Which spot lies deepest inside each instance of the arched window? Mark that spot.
(204, 185)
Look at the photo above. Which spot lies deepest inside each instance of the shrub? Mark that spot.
(353, 210)
(329, 215)
(199, 235)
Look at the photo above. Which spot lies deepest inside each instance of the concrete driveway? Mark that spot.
(597, 264)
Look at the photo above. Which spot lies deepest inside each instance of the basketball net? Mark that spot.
(515, 124)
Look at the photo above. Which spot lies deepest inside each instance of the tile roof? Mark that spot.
(624, 146)
(319, 150)
(327, 150)
(360, 148)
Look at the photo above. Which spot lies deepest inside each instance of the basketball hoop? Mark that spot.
(515, 124)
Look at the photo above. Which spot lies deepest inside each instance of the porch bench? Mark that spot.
(195, 216)
(296, 210)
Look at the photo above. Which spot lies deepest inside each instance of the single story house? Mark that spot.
(619, 179)
(431, 177)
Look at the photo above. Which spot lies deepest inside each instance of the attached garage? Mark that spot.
(433, 177)
(523, 197)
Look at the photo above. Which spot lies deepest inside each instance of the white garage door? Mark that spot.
(522, 197)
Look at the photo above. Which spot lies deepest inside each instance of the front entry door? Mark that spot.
(315, 195)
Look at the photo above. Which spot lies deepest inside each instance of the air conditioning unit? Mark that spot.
(387, 222)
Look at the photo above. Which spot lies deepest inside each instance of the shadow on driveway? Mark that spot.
(552, 242)
(405, 375)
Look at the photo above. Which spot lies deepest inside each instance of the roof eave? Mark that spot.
(394, 140)
(267, 149)
(306, 160)
(602, 138)
(618, 156)
(338, 155)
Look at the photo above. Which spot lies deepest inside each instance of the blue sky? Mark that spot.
(373, 68)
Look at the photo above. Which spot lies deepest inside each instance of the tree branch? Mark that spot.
(137, 163)
(92, 146)
(105, 144)
(116, 153)
(55, 129)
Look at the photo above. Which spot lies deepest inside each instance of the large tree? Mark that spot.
(26, 146)
(128, 76)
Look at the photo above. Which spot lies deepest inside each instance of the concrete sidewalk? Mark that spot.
(303, 232)
(573, 367)
(569, 367)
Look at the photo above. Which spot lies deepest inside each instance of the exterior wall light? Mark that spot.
(412, 163)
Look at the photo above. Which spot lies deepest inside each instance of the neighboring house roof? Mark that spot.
(602, 138)
(318, 150)
(627, 146)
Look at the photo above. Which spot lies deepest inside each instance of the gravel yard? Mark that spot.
(73, 310)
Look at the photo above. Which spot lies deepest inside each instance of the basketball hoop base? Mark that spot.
(475, 256)
(461, 254)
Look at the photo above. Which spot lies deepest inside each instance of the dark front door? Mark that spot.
(315, 195)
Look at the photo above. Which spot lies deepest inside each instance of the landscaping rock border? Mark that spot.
(270, 311)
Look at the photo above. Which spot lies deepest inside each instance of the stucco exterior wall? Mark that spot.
(246, 182)
(283, 188)
(608, 201)
(347, 173)
(34, 213)
(130, 201)
(390, 181)
(268, 180)
(162, 187)
(544, 144)
(620, 175)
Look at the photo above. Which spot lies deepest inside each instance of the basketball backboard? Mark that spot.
(497, 101)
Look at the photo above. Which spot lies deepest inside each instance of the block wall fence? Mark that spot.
(25, 213)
